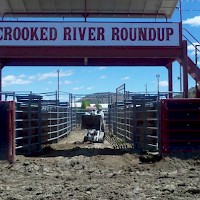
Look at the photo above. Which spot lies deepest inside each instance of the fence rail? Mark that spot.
(134, 118)
(136, 121)
(39, 122)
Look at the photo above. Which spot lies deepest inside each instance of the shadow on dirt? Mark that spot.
(77, 151)
(89, 152)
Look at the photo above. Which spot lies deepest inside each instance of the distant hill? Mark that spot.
(101, 98)
(110, 97)
(191, 93)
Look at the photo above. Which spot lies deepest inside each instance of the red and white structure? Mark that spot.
(77, 35)
(84, 42)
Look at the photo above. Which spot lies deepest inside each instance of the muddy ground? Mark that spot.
(76, 171)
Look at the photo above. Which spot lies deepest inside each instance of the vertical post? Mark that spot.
(196, 60)
(196, 56)
(170, 86)
(30, 129)
(1, 67)
(13, 158)
(180, 78)
(135, 130)
(71, 110)
(40, 139)
(196, 76)
(57, 110)
(58, 71)
(158, 85)
(146, 89)
(185, 69)
(125, 113)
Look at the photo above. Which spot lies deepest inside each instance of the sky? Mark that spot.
(87, 80)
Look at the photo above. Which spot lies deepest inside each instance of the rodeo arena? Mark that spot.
(124, 145)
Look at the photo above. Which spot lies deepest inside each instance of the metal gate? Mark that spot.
(7, 130)
(135, 118)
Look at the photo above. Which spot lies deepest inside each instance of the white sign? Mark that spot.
(88, 34)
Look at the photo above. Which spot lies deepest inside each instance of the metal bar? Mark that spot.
(158, 114)
(135, 133)
(11, 134)
(144, 124)
(191, 36)
(74, 14)
(185, 69)
(40, 123)
(1, 67)
(29, 122)
(170, 80)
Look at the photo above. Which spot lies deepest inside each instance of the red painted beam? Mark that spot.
(88, 62)
(90, 52)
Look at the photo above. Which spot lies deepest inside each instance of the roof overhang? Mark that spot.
(88, 8)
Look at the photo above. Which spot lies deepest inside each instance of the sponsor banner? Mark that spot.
(88, 34)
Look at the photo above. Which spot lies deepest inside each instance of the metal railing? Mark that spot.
(136, 119)
(39, 122)
(196, 45)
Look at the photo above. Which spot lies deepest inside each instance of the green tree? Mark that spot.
(84, 104)
(98, 106)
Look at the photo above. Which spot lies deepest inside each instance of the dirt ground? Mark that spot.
(81, 171)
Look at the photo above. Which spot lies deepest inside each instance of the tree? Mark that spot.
(98, 106)
(85, 104)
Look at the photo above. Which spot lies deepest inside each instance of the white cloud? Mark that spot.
(163, 83)
(195, 21)
(78, 88)
(191, 47)
(102, 77)
(101, 68)
(43, 76)
(66, 73)
(21, 76)
(67, 82)
(126, 78)
(14, 80)
(90, 88)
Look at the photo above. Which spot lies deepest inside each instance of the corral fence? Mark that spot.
(136, 121)
(40, 119)
(155, 122)
(40, 122)
(145, 121)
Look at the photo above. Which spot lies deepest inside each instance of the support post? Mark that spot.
(1, 67)
(170, 80)
(185, 69)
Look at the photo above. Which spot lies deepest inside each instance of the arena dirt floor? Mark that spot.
(85, 171)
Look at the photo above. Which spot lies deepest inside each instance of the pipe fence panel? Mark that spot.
(129, 122)
(39, 122)
(146, 122)
(59, 122)
(137, 121)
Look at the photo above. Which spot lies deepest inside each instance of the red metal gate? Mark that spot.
(180, 119)
(7, 130)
